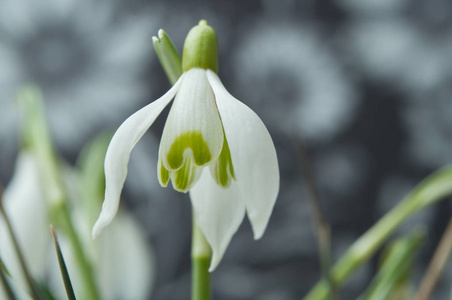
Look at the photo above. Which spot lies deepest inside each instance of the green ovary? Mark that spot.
(193, 140)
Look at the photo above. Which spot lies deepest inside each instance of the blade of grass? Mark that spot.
(64, 273)
(3, 268)
(395, 267)
(6, 287)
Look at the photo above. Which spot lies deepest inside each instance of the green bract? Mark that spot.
(200, 48)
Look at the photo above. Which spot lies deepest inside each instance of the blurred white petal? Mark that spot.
(24, 204)
(18, 292)
(126, 267)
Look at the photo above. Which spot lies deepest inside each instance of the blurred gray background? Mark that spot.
(367, 84)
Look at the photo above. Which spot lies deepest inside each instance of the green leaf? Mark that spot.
(63, 269)
(3, 268)
(4, 282)
(396, 266)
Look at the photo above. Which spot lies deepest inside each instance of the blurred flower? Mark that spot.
(206, 127)
(24, 204)
(123, 267)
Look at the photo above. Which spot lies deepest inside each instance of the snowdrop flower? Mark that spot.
(212, 145)
(24, 201)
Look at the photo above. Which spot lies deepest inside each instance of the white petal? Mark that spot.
(25, 206)
(20, 293)
(118, 154)
(193, 126)
(218, 212)
(126, 266)
(253, 155)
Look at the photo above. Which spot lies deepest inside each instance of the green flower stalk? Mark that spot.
(396, 267)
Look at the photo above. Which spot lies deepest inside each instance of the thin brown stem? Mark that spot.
(437, 264)
(322, 228)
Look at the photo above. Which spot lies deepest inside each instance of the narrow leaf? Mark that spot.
(396, 266)
(3, 268)
(63, 269)
(4, 282)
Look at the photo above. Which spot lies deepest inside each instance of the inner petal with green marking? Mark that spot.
(163, 174)
(182, 179)
(222, 169)
(193, 127)
(189, 141)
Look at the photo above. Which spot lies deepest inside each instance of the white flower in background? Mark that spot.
(123, 266)
(87, 60)
(24, 204)
(212, 145)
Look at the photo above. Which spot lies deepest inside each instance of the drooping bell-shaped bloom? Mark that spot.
(212, 145)
(122, 251)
